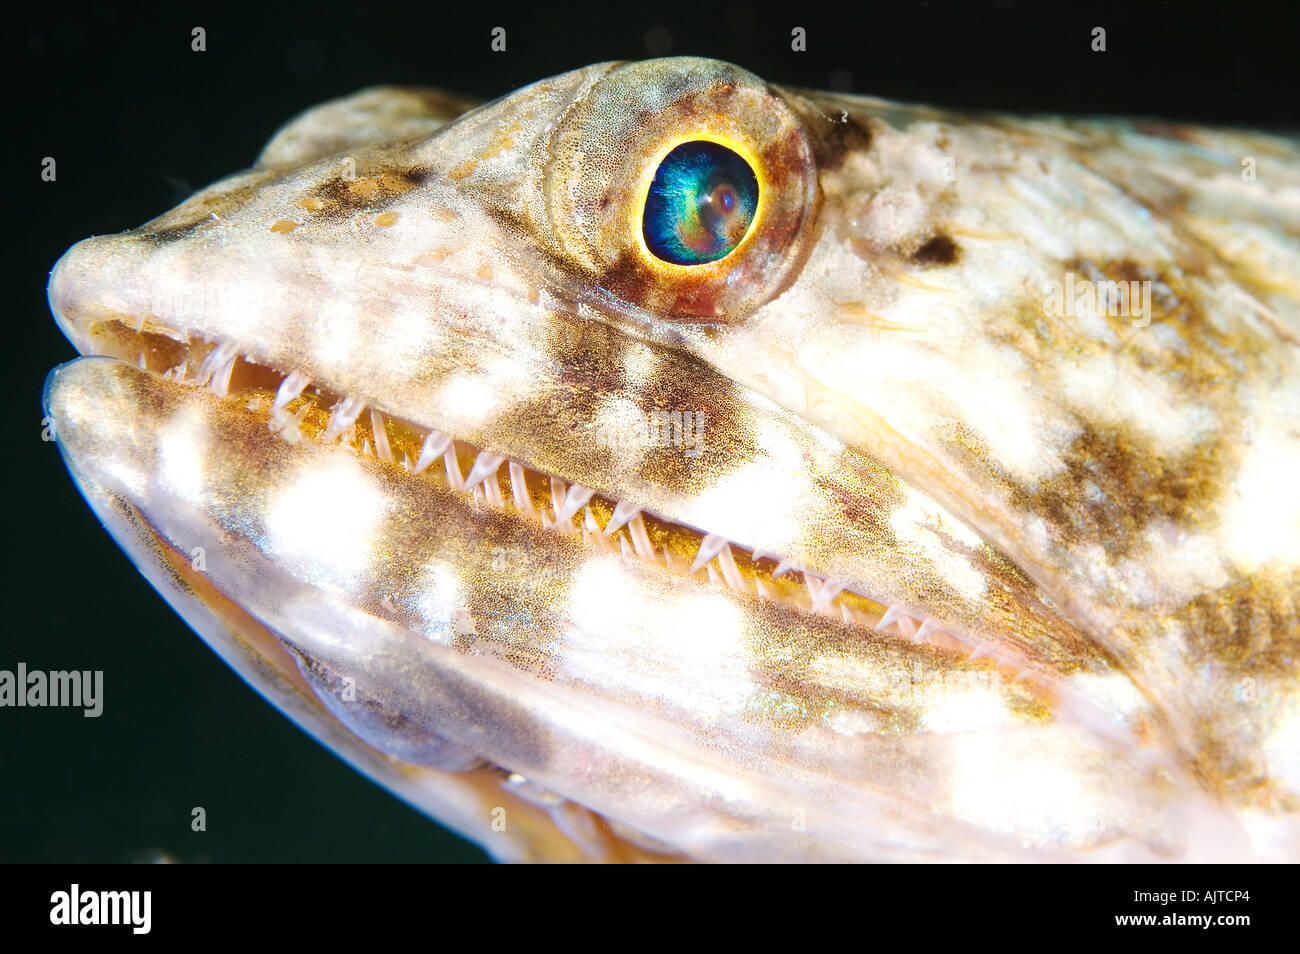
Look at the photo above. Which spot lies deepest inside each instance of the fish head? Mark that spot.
(656, 463)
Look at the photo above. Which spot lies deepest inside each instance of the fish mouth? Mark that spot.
(297, 409)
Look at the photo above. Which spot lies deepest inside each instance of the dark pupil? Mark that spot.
(700, 205)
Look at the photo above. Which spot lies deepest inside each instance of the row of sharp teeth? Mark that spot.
(715, 555)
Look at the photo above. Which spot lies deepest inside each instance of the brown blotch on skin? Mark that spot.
(196, 213)
(629, 279)
(584, 364)
(1163, 129)
(1249, 629)
(590, 356)
(938, 249)
(834, 139)
(341, 197)
(721, 440)
(173, 233)
(1250, 624)
(1115, 484)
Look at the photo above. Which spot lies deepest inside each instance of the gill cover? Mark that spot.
(678, 132)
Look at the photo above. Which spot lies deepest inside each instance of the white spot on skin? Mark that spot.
(622, 426)
(1171, 565)
(322, 525)
(774, 494)
(472, 399)
(1128, 397)
(640, 363)
(1022, 785)
(335, 341)
(904, 385)
(965, 705)
(441, 598)
(182, 447)
(1262, 520)
(467, 402)
(684, 645)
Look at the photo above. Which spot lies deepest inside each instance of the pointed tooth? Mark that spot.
(291, 387)
(627, 547)
(492, 491)
(219, 384)
(762, 590)
(892, 615)
(558, 490)
(714, 578)
(830, 589)
(382, 448)
(485, 465)
(140, 362)
(814, 586)
(452, 467)
(710, 547)
(574, 500)
(785, 566)
(215, 358)
(640, 539)
(926, 628)
(434, 446)
(342, 416)
(519, 487)
(730, 571)
(623, 512)
(602, 543)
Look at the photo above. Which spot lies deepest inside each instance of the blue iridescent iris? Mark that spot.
(700, 205)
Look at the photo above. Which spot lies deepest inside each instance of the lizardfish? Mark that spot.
(655, 463)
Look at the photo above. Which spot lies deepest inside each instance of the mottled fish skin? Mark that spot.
(925, 567)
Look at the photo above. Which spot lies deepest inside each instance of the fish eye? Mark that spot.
(700, 205)
(684, 189)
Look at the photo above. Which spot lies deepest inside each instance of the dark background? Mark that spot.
(136, 120)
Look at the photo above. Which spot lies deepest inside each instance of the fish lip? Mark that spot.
(55, 293)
